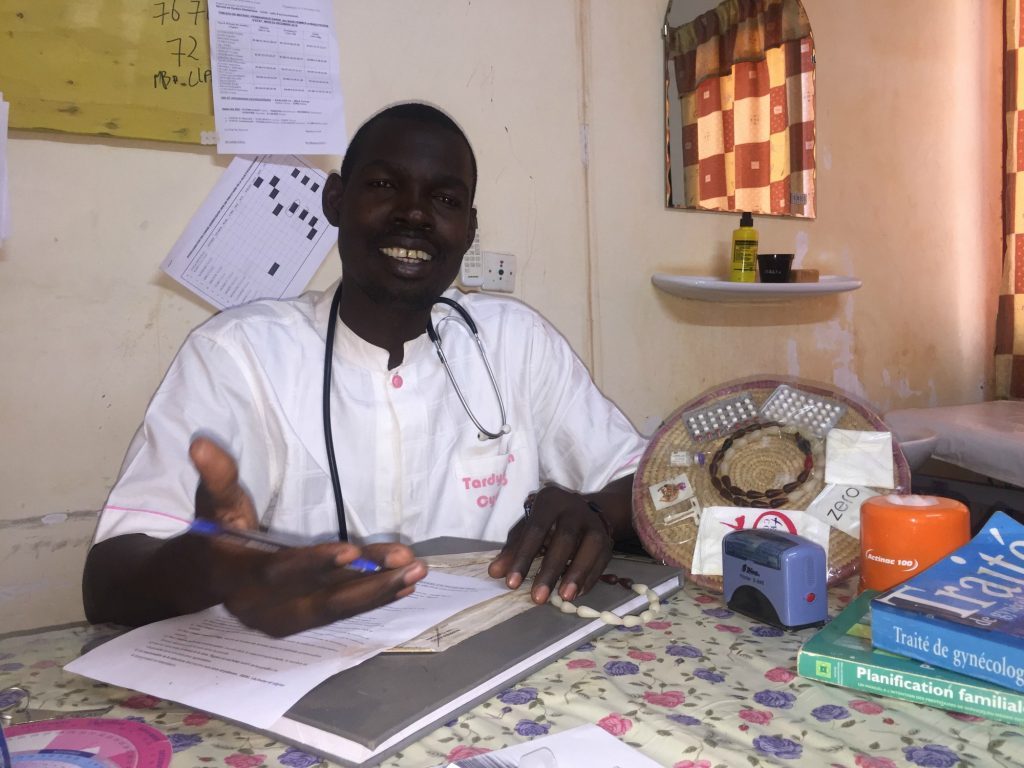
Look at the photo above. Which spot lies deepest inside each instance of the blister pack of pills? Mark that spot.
(812, 413)
(721, 418)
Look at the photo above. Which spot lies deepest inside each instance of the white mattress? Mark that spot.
(987, 438)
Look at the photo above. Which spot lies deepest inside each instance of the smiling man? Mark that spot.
(407, 431)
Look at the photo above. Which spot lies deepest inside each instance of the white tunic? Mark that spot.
(409, 459)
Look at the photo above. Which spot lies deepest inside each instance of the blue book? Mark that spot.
(842, 654)
(966, 612)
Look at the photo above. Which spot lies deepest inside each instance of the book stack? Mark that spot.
(951, 636)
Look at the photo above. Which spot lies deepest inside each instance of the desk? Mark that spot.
(696, 688)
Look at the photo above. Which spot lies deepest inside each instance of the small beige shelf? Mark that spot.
(704, 288)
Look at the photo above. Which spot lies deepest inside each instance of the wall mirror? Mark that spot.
(739, 107)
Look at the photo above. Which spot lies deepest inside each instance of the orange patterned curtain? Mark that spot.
(745, 77)
(1010, 316)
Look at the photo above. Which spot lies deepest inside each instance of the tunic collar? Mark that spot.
(353, 349)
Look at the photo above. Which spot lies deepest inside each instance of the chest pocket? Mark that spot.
(491, 484)
(482, 480)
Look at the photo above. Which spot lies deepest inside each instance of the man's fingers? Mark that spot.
(501, 564)
(389, 554)
(574, 545)
(219, 495)
(561, 548)
(313, 590)
(305, 570)
(524, 543)
(587, 565)
(373, 591)
(217, 469)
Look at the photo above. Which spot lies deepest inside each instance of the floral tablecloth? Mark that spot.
(698, 687)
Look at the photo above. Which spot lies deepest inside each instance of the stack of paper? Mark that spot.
(210, 661)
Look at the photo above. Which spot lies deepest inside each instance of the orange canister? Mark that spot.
(901, 535)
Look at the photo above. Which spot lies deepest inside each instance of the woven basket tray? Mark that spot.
(766, 454)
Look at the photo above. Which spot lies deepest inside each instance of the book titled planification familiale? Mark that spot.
(966, 612)
(842, 654)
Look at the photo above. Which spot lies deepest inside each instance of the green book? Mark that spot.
(841, 654)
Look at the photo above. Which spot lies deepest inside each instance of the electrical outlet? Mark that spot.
(499, 272)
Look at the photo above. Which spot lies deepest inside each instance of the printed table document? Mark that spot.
(275, 77)
(260, 233)
(210, 661)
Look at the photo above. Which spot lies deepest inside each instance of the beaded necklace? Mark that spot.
(586, 612)
(769, 498)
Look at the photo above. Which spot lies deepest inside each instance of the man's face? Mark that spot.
(405, 214)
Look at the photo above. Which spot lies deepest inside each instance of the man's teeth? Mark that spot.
(406, 255)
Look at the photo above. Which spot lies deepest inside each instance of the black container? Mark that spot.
(774, 267)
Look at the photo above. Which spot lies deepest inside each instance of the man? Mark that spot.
(411, 461)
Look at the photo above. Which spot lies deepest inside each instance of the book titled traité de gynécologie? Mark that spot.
(966, 612)
(842, 654)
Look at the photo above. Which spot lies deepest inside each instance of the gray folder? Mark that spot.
(370, 703)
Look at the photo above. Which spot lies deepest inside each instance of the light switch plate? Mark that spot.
(499, 272)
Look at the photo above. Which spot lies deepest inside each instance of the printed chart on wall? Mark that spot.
(137, 69)
(259, 234)
(276, 86)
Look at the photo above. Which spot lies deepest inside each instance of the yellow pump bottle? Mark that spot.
(744, 251)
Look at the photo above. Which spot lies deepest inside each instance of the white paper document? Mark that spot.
(210, 661)
(5, 199)
(716, 522)
(839, 506)
(587, 746)
(477, 618)
(260, 233)
(855, 457)
(276, 86)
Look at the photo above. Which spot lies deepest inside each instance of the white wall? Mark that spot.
(909, 143)
(909, 177)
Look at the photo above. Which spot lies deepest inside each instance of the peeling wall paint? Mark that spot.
(792, 358)
(47, 521)
(41, 561)
(836, 339)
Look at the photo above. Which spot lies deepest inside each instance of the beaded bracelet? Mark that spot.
(770, 497)
(600, 516)
(586, 612)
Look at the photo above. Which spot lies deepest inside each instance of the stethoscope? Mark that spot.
(482, 432)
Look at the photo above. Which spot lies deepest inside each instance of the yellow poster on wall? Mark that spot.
(128, 68)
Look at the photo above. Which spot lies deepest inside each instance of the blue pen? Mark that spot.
(268, 542)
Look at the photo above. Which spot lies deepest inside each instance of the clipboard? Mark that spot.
(365, 714)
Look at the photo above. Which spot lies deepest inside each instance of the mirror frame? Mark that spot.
(810, 96)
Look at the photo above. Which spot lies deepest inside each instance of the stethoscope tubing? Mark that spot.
(332, 464)
(482, 432)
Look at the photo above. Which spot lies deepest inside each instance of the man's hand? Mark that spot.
(573, 538)
(295, 589)
(305, 587)
(219, 496)
(136, 579)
